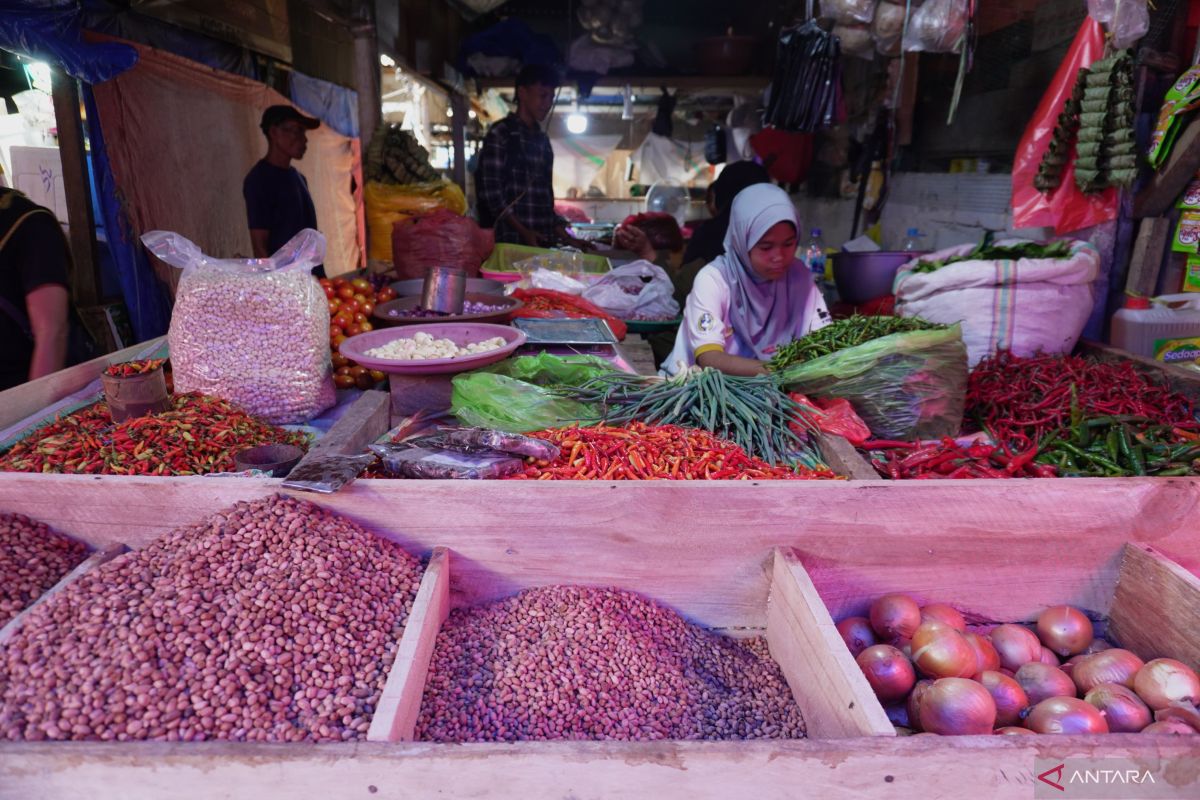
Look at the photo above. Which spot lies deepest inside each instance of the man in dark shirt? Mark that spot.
(278, 205)
(34, 302)
(514, 180)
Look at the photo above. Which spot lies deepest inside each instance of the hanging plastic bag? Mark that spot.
(254, 332)
(938, 27)
(638, 290)
(848, 12)
(905, 386)
(1064, 209)
(1131, 22)
(887, 30)
(440, 238)
(487, 400)
(547, 369)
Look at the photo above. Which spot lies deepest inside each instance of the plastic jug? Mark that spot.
(1167, 328)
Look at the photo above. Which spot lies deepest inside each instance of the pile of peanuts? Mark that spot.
(257, 339)
(32, 559)
(270, 621)
(577, 663)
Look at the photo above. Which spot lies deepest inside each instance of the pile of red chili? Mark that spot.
(127, 369)
(653, 452)
(198, 436)
(1021, 401)
(949, 459)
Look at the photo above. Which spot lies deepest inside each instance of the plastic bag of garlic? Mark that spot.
(254, 332)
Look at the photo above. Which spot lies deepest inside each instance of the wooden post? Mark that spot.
(366, 70)
(1148, 251)
(458, 103)
(1173, 177)
(82, 228)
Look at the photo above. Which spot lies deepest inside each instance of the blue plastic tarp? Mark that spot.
(49, 30)
(334, 105)
(510, 38)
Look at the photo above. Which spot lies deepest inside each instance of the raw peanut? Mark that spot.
(32, 559)
(578, 663)
(116, 656)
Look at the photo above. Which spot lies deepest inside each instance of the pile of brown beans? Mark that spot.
(577, 663)
(32, 559)
(270, 621)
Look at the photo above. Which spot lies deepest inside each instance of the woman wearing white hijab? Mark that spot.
(754, 298)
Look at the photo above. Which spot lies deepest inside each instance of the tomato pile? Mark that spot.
(351, 303)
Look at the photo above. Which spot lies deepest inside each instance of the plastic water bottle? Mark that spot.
(814, 255)
(912, 242)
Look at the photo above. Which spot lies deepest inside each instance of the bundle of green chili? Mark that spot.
(750, 412)
(1121, 446)
(199, 435)
(1022, 402)
(844, 334)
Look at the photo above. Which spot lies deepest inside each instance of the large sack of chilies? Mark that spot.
(440, 238)
(254, 331)
(905, 386)
(1014, 295)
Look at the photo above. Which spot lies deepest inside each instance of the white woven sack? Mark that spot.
(1025, 305)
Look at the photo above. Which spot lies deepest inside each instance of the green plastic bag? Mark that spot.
(905, 386)
(488, 400)
(546, 369)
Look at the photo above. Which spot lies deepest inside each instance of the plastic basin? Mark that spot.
(862, 277)
(461, 333)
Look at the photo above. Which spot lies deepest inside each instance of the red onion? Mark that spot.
(1174, 727)
(940, 612)
(1096, 646)
(895, 616)
(1065, 630)
(1009, 697)
(1014, 731)
(887, 670)
(1042, 681)
(1108, 666)
(956, 707)
(1122, 709)
(986, 657)
(914, 703)
(1189, 715)
(1048, 657)
(1068, 666)
(940, 651)
(1016, 646)
(1165, 682)
(857, 634)
(1065, 715)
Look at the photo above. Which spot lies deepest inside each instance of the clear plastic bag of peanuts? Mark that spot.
(254, 332)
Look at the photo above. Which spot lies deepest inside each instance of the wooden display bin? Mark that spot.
(1002, 549)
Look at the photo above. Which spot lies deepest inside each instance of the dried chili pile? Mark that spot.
(198, 436)
(1022, 402)
(949, 459)
(653, 452)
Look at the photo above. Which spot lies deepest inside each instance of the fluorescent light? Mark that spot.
(472, 114)
(386, 60)
(576, 122)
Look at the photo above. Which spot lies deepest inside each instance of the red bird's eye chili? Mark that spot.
(653, 452)
(127, 369)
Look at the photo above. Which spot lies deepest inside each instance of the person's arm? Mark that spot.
(47, 308)
(731, 365)
(635, 240)
(258, 242)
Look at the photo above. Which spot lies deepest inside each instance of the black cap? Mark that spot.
(542, 74)
(277, 115)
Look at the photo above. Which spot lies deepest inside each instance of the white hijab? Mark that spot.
(763, 314)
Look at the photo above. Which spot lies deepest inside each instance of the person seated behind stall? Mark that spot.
(755, 297)
(278, 205)
(35, 311)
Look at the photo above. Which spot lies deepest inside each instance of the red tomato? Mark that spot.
(353, 330)
(329, 292)
(367, 308)
(343, 318)
(366, 326)
(361, 285)
(378, 375)
(351, 305)
(335, 305)
(360, 297)
(343, 381)
(340, 360)
(343, 370)
(360, 318)
(364, 381)
(385, 294)
(345, 293)
(356, 371)
(338, 283)
(336, 342)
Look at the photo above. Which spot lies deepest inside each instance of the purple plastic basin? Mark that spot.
(461, 333)
(862, 277)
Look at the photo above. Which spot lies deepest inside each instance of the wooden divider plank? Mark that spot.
(1172, 178)
(1155, 607)
(396, 712)
(364, 422)
(91, 562)
(828, 685)
(844, 459)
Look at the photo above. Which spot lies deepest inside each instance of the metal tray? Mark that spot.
(583, 331)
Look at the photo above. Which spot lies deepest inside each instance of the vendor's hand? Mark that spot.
(530, 237)
(635, 240)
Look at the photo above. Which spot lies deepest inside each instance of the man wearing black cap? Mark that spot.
(278, 205)
(514, 185)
